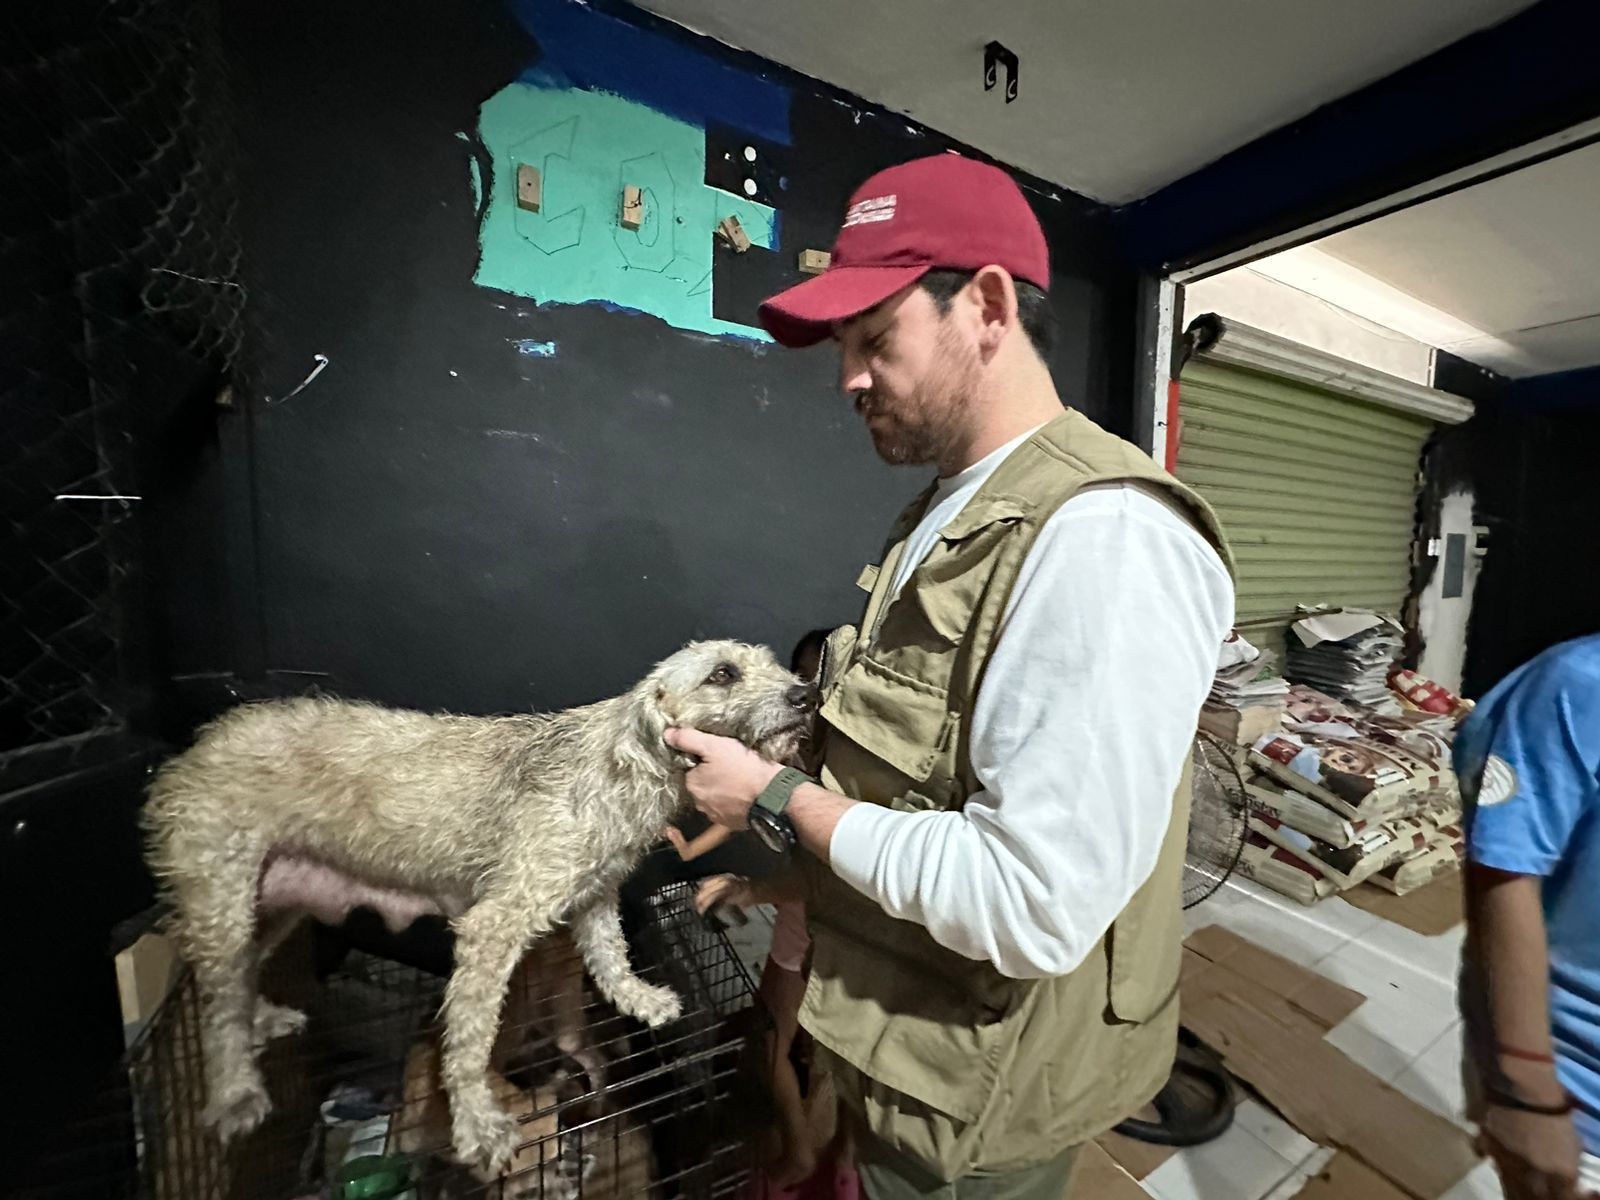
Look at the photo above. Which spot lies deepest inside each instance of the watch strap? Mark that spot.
(774, 798)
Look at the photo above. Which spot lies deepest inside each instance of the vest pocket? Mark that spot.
(914, 1030)
(837, 651)
(903, 721)
(1146, 954)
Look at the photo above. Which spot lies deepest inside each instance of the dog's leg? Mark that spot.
(490, 938)
(217, 933)
(273, 1020)
(598, 931)
(571, 1031)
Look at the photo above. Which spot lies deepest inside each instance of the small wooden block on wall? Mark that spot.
(730, 231)
(530, 188)
(632, 207)
(814, 262)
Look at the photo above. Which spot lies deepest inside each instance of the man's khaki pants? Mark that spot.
(883, 1177)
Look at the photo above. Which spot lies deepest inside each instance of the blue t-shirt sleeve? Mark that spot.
(1528, 763)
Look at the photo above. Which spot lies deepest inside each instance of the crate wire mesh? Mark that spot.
(118, 251)
(633, 1112)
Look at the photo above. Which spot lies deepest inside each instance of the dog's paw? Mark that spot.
(485, 1140)
(657, 1006)
(238, 1111)
(275, 1021)
(593, 1065)
(573, 1171)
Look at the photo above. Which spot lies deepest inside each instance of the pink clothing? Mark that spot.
(834, 1179)
(790, 941)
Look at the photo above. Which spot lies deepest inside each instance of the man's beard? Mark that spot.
(929, 432)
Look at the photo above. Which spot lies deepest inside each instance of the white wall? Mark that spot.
(1444, 622)
(1253, 296)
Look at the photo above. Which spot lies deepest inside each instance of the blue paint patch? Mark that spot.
(534, 349)
(582, 48)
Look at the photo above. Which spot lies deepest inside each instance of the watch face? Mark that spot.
(773, 832)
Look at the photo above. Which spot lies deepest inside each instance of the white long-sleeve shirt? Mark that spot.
(1079, 733)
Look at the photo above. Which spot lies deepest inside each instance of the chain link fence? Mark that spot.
(117, 232)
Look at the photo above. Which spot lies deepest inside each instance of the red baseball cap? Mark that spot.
(941, 212)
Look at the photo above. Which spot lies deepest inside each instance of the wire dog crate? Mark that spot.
(607, 1109)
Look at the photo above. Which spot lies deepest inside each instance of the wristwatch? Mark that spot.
(768, 821)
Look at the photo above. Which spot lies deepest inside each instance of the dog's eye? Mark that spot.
(724, 675)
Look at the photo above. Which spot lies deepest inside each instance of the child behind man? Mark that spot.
(782, 981)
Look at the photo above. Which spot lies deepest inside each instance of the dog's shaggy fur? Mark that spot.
(509, 825)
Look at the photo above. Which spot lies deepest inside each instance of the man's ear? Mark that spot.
(994, 293)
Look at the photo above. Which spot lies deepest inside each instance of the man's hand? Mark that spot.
(728, 778)
(1536, 1155)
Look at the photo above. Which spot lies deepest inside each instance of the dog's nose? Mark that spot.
(802, 696)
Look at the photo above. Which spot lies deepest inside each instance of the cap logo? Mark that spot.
(865, 212)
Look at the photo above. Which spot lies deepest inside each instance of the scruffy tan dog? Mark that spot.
(508, 825)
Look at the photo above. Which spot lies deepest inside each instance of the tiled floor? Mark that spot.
(1408, 1033)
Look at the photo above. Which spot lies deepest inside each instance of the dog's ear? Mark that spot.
(667, 717)
(652, 716)
(646, 749)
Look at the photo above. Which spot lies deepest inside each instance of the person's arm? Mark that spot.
(1506, 919)
(1088, 709)
(703, 843)
(1536, 1154)
(1521, 816)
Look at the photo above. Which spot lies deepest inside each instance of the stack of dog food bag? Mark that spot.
(1343, 792)
(1247, 696)
(1346, 653)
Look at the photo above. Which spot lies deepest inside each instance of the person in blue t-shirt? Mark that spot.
(1529, 763)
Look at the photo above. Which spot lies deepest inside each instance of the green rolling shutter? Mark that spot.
(1316, 490)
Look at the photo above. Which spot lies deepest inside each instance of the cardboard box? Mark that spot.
(1431, 910)
(1348, 1178)
(1267, 1022)
(1136, 1158)
(1321, 999)
(1097, 1177)
(146, 972)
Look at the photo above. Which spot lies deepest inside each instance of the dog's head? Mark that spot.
(737, 691)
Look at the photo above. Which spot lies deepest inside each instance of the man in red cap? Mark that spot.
(992, 856)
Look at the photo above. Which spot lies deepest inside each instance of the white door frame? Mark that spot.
(1161, 297)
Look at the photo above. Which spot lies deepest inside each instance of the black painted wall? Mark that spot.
(1530, 450)
(679, 486)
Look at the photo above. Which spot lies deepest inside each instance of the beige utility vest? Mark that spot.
(949, 1062)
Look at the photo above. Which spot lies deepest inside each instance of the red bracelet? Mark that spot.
(1524, 1055)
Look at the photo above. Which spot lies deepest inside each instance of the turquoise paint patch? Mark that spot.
(588, 145)
(534, 349)
(477, 184)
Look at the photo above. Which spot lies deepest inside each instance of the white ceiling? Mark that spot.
(1514, 261)
(1117, 97)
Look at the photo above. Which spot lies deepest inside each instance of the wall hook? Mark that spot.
(994, 55)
